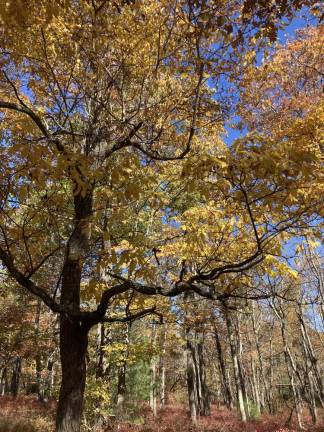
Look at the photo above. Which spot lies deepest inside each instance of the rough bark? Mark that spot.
(73, 333)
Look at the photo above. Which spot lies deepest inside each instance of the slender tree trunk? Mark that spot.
(272, 407)
(121, 385)
(101, 352)
(153, 372)
(191, 382)
(224, 379)
(309, 378)
(242, 373)
(309, 353)
(38, 359)
(291, 367)
(162, 369)
(237, 377)
(255, 386)
(4, 382)
(258, 347)
(204, 398)
(15, 379)
(121, 392)
(49, 381)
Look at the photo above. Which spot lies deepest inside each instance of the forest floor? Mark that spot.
(26, 414)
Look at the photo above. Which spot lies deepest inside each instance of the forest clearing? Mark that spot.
(161, 215)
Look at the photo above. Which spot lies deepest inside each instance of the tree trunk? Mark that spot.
(49, 380)
(121, 386)
(73, 333)
(153, 372)
(162, 369)
(4, 382)
(15, 379)
(258, 347)
(73, 348)
(226, 387)
(38, 359)
(121, 391)
(309, 353)
(237, 377)
(291, 367)
(204, 399)
(191, 382)
(239, 352)
(100, 370)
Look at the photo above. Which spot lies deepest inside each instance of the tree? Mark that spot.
(113, 170)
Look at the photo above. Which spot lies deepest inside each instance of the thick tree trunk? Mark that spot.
(73, 348)
(73, 333)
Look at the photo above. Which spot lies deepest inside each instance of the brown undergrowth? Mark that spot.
(26, 414)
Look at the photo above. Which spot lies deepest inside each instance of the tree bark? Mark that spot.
(15, 378)
(121, 386)
(226, 387)
(163, 369)
(291, 367)
(191, 382)
(258, 347)
(204, 399)
(73, 333)
(153, 372)
(121, 391)
(4, 382)
(38, 359)
(73, 349)
(237, 377)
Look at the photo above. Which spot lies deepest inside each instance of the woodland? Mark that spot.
(161, 216)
